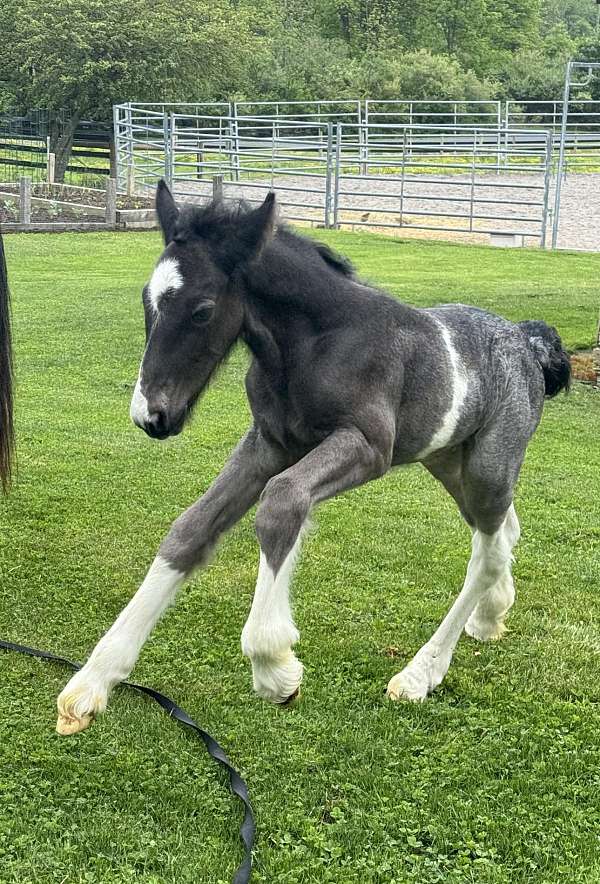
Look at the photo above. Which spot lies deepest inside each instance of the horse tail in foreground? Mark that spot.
(550, 354)
(6, 373)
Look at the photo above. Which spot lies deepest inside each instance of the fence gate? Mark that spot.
(253, 155)
(566, 133)
(376, 171)
(459, 179)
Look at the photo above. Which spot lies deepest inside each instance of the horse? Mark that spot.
(6, 377)
(345, 383)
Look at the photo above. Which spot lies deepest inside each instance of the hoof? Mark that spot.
(277, 680)
(79, 703)
(66, 726)
(485, 632)
(422, 675)
(292, 698)
(406, 686)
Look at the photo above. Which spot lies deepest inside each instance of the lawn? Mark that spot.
(494, 779)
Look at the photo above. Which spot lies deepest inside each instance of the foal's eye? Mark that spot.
(203, 312)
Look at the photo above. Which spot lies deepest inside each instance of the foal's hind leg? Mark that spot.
(486, 623)
(487, 477)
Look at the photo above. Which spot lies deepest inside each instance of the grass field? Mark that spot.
(494, 779)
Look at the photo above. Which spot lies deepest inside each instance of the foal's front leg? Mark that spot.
(343, 460)
(188, 545)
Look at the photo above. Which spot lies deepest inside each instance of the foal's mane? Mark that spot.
(220, 218)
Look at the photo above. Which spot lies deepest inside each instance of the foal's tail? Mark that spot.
(6, 377)
(550, 353)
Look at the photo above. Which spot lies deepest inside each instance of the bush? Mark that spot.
(304, 66)
(539, 74)
(420, 75)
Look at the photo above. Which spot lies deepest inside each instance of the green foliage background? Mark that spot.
(87, 54)
(81, 56)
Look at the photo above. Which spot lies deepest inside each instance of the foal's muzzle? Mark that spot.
(158, 422)
(157, 425)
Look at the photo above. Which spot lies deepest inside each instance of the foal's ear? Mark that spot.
(254, 231)
(167, 211)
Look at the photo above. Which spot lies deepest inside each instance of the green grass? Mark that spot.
(494, 779)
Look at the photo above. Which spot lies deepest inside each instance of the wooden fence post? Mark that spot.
(51, 168)
(111, 202)
(25, 200)
(112, 149)
(217, 183)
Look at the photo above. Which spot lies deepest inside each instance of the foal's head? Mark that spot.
(192, 307)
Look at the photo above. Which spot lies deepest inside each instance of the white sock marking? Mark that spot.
(491, 555)
(269, 633)
(115, 655)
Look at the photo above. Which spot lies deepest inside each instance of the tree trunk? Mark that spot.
(344, 18)
(61, 144)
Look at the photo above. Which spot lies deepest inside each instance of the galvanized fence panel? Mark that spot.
(325, 111)
(432, 112)
(143, 137)
(443, 178)
(447, 177)
(582, 131)
(252, 155)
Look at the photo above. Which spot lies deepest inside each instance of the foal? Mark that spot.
(345, 383)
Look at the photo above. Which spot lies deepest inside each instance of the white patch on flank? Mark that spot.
(138, 410)
(166, 276)
(115, 655)
(444, 434)
(269, 633)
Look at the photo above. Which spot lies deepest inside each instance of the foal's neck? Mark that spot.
(292, 283)
(290, 294)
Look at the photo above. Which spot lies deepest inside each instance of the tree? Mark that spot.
(85, 55)
(375, 25)
(577, 16)
(537, 73)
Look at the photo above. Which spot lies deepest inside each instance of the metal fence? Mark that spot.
(582, 132)
(446, 178)
(476, 179)
(292, 157)
(509, 119)
(143, 141)
(433, 112)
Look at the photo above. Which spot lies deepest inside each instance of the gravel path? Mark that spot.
(390, 205)
(580, 212)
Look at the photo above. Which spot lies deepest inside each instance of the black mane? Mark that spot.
(220, 217)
